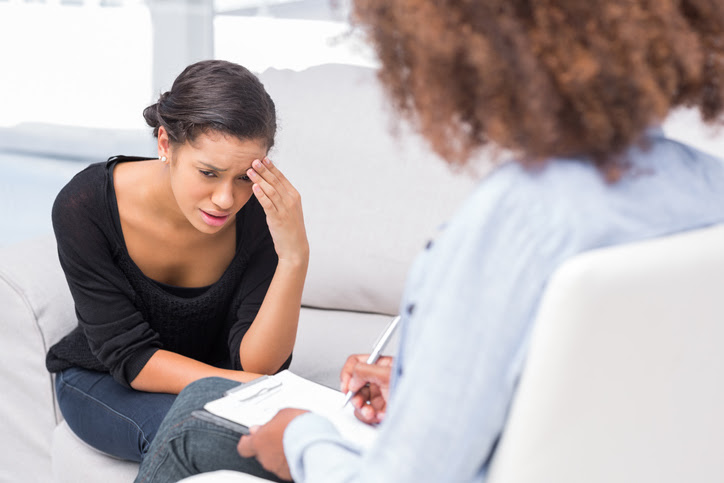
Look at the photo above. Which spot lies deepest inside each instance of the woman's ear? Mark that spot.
(163, 145)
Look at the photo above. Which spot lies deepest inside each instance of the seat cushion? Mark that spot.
(326, 338)
(74, 461)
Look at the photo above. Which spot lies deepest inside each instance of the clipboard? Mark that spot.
(257, 402)
(209, 417)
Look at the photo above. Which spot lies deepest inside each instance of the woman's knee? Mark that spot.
(108, 416)
(208, 387)
(195, 395)
(102, 427)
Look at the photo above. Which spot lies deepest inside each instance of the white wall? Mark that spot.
(100, 66)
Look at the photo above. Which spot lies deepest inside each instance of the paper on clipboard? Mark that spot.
(258, 402)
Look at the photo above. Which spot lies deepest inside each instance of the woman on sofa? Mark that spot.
(181, 267)
(575, 93)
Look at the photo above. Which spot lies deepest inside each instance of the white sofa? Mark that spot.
(371, 200)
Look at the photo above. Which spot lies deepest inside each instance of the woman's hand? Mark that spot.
(270, 339)
(371, 383)
(283, 207)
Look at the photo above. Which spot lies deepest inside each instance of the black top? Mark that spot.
(124, 317)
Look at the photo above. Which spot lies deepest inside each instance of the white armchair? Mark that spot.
(622, 380)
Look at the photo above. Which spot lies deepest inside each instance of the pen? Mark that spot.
(377, 349)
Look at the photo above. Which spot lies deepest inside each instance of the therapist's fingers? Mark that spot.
(361, 397)
(370, 405)
(353, 361)
(369, 415)
(346, 373)
(372, 374)
(246, 446)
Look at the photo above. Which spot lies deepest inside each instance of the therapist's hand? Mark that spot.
(265, 443)
(371, 382)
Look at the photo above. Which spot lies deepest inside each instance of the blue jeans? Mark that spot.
(112, 418)
(186, 445)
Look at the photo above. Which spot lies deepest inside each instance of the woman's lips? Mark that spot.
(213, 220)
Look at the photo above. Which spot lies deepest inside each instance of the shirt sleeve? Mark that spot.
(117, 334)
(475, 294)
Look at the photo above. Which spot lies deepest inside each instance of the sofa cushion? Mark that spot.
(327, 337)
(370, 199)
(74, 461)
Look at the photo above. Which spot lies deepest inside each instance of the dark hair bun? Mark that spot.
(214, 95)
(150, 114)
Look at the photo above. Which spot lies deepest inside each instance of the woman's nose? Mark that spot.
(223, 196)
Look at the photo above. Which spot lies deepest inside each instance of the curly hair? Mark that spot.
(546, 78)
(214, 95)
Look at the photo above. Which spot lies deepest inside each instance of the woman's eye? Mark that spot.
(244, 178)
(208, 174)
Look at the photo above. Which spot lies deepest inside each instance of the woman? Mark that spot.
(575, 91)
(182, 267)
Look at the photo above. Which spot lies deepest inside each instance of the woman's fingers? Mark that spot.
(274, 184)
(283, 207)
(278, 174)
(264, 200)
(269, 185)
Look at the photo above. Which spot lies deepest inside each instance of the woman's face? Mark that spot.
(209, 180)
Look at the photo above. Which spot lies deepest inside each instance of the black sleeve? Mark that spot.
(262, 263)
(88, 247)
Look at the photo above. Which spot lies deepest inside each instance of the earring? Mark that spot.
(163, 159)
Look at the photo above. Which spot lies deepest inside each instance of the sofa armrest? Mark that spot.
(37, 310)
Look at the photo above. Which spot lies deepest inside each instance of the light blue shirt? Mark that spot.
(471, 299)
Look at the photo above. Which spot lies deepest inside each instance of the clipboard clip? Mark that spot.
(264, 391)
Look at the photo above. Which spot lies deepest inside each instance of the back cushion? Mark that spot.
(371, 199)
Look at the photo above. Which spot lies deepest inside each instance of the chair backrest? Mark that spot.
(622, 379)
